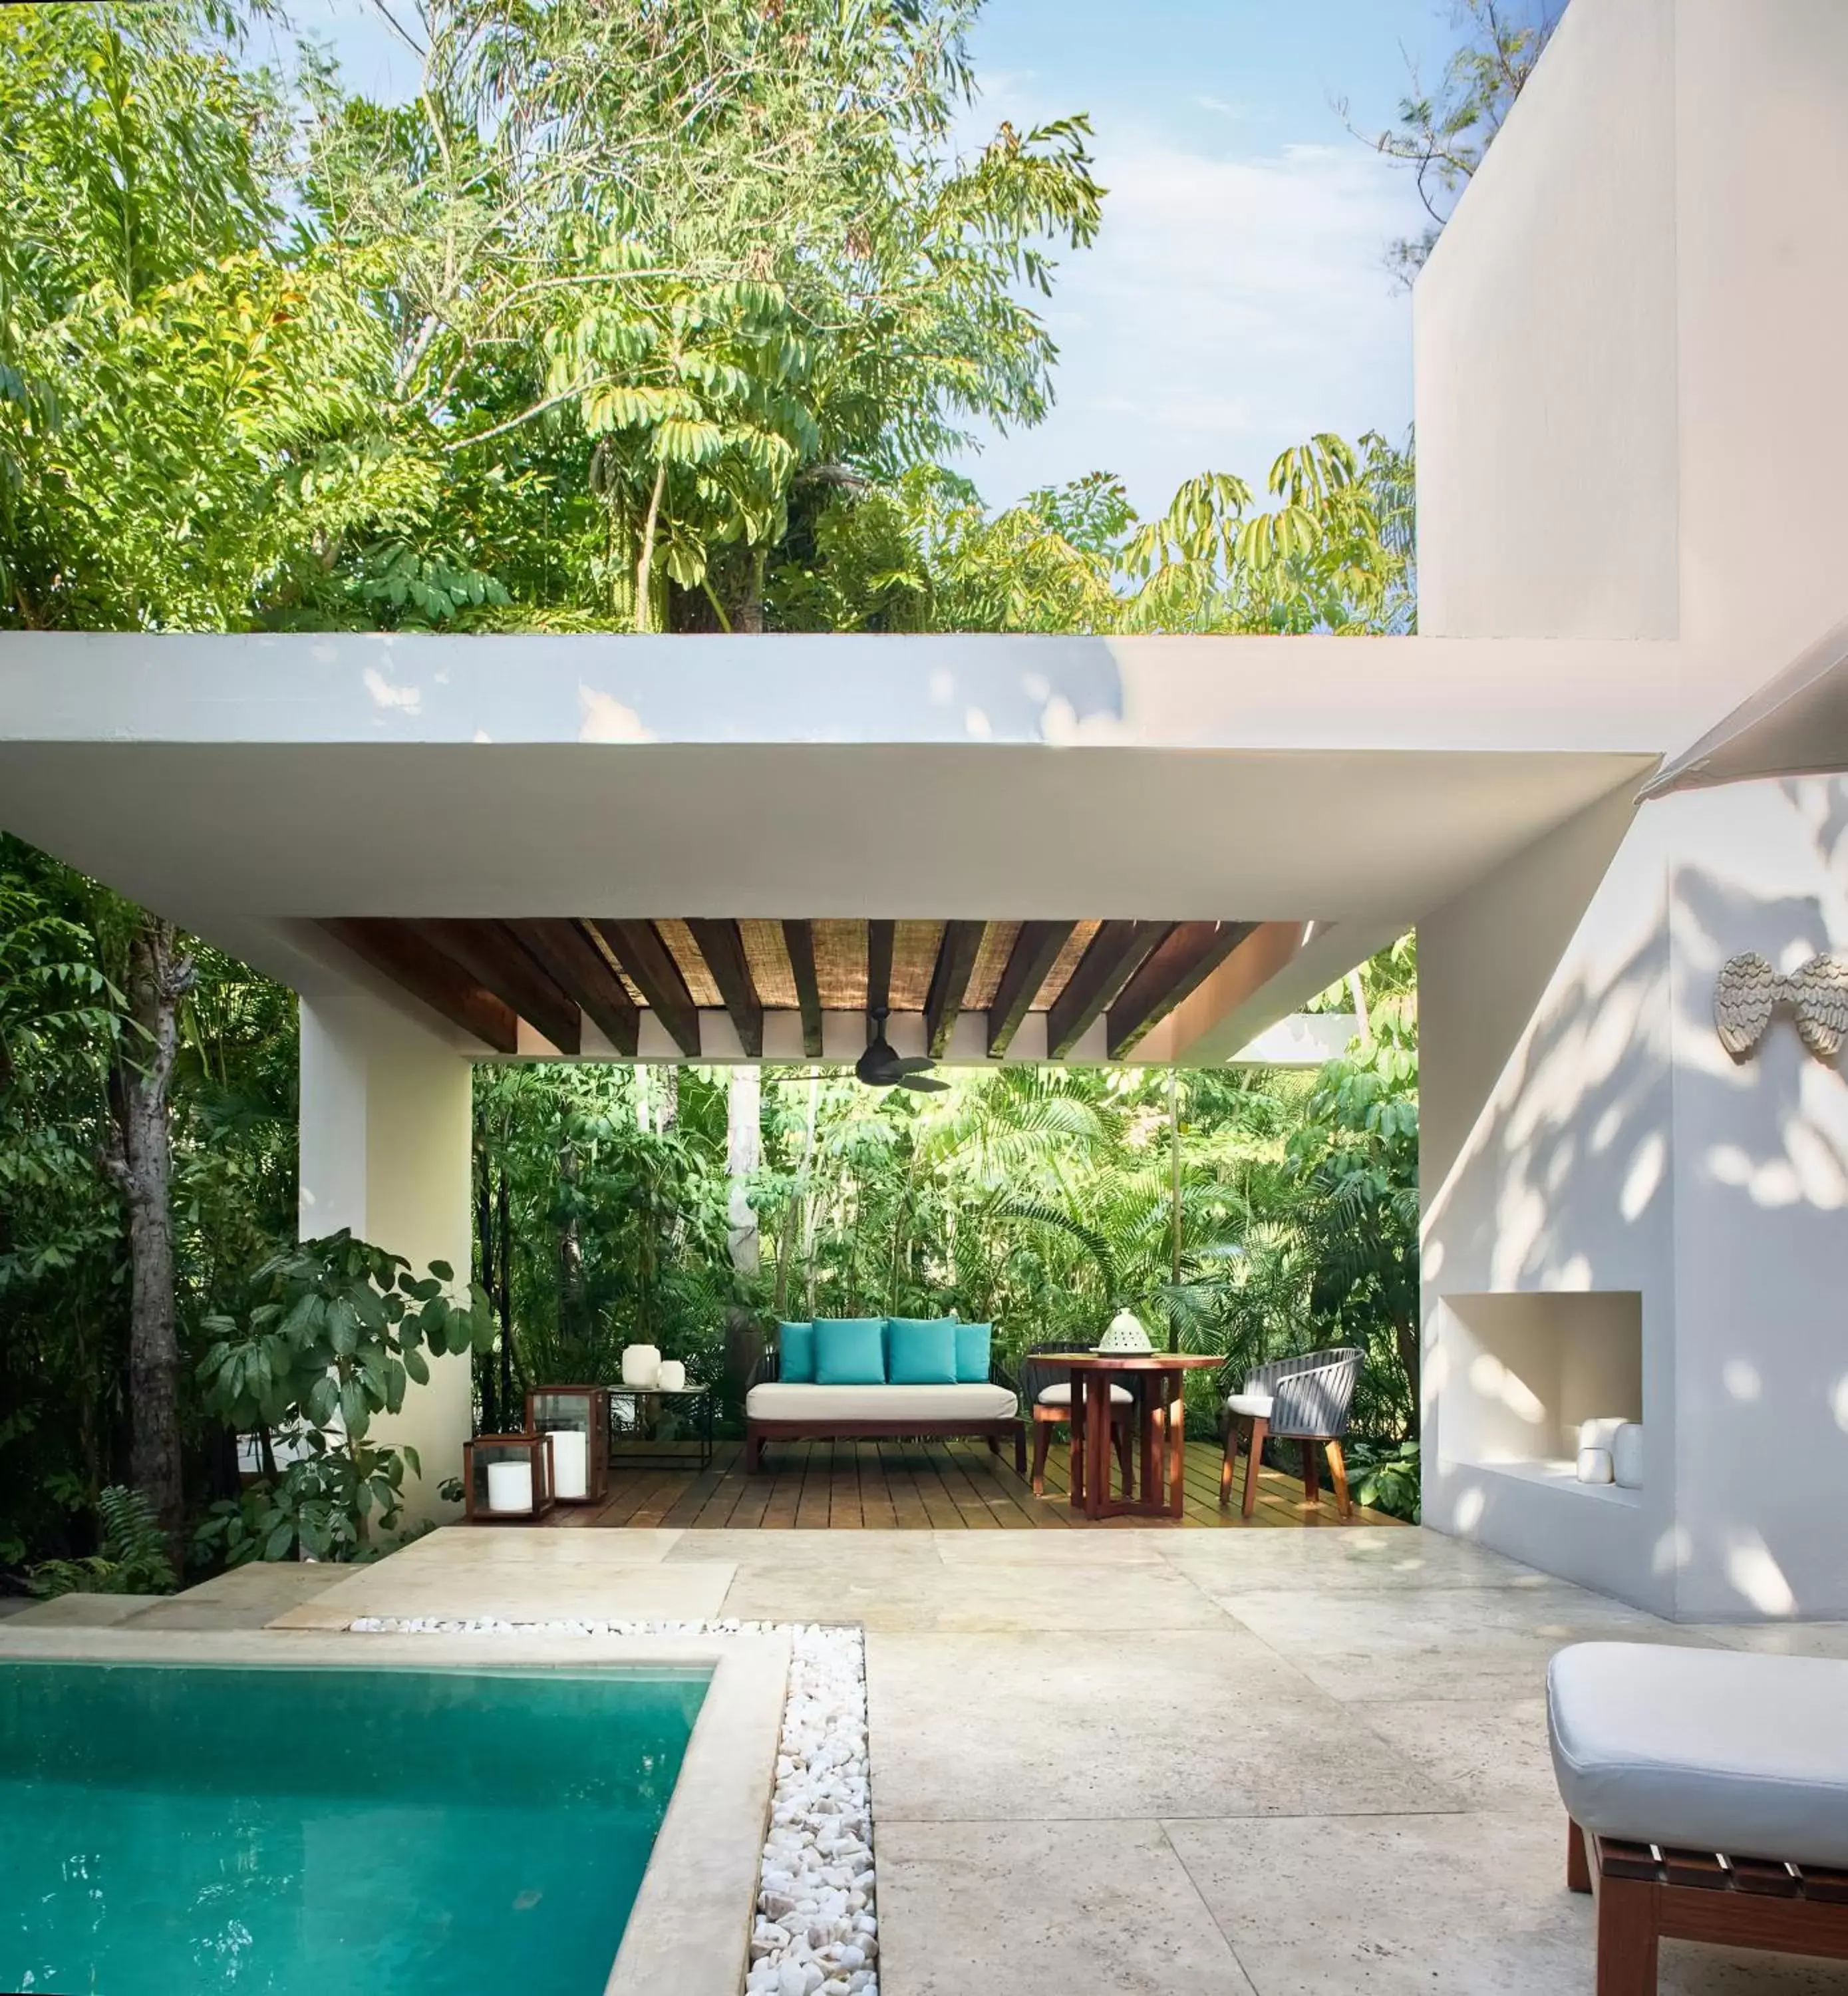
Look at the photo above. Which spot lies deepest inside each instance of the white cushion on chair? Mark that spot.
(1252, 1406)
(1707, 1750)
(1061, 1396)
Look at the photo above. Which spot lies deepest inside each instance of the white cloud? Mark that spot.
(1231, 305)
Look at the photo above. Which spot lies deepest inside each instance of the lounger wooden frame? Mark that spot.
(1647, 1893)
(994, 1432)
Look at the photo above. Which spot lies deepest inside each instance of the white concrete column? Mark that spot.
(385, 1140)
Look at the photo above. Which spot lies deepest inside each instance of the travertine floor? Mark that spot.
(1122, 1763)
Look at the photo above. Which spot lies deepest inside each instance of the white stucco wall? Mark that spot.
(1621, 1150)
(385, 1149)
(1545, 333)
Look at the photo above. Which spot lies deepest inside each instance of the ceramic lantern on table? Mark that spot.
(507, 1479)
(578, 1419)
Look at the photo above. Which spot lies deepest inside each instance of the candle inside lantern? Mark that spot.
(570, 1463)
(510, 1486)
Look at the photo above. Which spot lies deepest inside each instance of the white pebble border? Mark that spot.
(816, 1932)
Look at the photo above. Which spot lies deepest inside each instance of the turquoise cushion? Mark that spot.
(796, 1342)
(920, 1351)
(973, 1355)
(850, 1351)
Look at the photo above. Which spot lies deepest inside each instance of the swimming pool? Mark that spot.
(284, 1830)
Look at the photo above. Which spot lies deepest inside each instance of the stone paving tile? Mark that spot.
(654, 1592)
(1102, 1908)
(1053, 1725)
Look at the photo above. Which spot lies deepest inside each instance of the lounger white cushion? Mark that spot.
(1251, 1407)
(1707, 1749)
(790, 1400)
(1061, 1396)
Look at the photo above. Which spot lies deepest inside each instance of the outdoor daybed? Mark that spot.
(1707, 1794)
(869, 1378)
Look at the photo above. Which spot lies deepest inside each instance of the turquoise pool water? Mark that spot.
(384, 1832)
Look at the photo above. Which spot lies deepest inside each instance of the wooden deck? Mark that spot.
(912, 1486)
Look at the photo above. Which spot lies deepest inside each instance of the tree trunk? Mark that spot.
(504, 1228)
(159, 977)
(743, 1104)
(570, 1252)
(484, 1230)
(669, 1113)
(1406, 1336)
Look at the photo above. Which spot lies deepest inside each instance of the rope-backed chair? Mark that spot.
(1307, 1399)
(1045, 1394)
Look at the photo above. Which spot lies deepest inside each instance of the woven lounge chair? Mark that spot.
(1306, 1399)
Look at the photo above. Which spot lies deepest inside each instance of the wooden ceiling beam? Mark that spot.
(949, 981)
(1189, 953)
(638, 947)
(398, 953)
(722, 944)
(1115, 954)
(490, 955)
(878, 965)
(1030, 962)
(579, 969)
(799, 940)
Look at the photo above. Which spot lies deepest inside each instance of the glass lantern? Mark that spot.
(507, 1479)
(577, 1418)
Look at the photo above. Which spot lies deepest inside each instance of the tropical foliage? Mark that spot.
(638, 318)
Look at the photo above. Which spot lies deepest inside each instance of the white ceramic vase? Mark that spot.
(672, 1377)
(641, 1364)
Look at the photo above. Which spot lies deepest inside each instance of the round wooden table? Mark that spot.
(1163, 1423)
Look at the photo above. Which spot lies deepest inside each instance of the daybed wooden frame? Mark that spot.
(1647, 1893)
(758, 1432)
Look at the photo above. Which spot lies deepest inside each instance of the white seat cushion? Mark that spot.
(1061, 1396)
(1253, 1406)
(791, 1400)
(1709, 1749)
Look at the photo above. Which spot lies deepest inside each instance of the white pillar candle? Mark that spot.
(672, 1377)
(641, 1364)
(1626, 1457)
(570, 1463)
(1594, 1465)
(510, 1486)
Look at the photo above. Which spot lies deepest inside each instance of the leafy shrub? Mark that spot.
(132, 1559)
(1387, 1478)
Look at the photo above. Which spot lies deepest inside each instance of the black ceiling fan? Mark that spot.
(880, 1066)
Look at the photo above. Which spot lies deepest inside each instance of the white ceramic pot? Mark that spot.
(1125, 1334)
(1595, 1465)
(641, 1364)
(674, 1376)
(510, 1486)
(1627, 1456)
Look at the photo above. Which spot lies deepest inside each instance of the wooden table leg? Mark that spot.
(1097, 1444)
(1174, 1386)
(1151, 1441)
(1076, 1425)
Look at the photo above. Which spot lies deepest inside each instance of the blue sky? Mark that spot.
(1237, 299)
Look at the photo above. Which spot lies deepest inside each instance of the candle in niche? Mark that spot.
(570, 1463)
(510, 1486)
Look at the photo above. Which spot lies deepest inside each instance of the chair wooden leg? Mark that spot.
(1228, 1466)
(1311, 1477)
(753, 1453)
(1337, 1468)
(1254, 1442)
(1019, 1448)
(1042, 1441)
(1629, 1913)
(994, 1444)
(1578, 1870)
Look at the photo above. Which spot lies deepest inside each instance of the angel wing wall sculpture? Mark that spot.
(1750, 992)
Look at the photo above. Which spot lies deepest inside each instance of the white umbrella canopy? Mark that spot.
(1794, 725)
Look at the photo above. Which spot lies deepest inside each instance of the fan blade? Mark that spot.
(913, 1064)
(925, 1084)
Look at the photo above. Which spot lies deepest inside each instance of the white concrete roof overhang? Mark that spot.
(245, 785)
